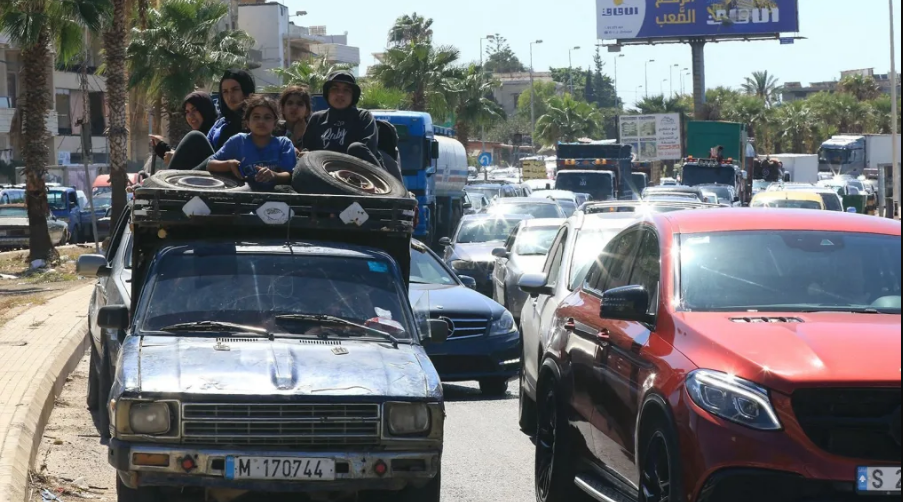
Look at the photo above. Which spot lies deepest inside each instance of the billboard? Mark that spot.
(652, 137)
(651, 19)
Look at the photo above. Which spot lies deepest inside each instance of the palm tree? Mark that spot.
(663, 104)
(796, 123)
(751, 110)
(411, 29)
(115, 40)
(863, 87)
(473, 105)
(376, 96)
(423, 71)
(764, 86)
(567, 120)
(310, 74)
(36, 26)
(182, 49)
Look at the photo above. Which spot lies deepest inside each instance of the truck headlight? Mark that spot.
(408, 419)
(734, 399)
(504, 325)
(150, 418)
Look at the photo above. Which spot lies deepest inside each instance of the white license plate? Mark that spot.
(878, 479)
(280, 469)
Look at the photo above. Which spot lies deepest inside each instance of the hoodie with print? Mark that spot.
(336, 130)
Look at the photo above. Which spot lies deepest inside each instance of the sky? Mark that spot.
(840, 35)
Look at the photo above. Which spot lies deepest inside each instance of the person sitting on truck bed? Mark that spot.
(197, 148)
(200, 114)
(258, 157)
(296, 109)
(344, 128)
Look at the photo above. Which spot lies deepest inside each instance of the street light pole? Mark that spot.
(571, 68)
(637, 94)
(647, 76)
(894, 115)
(663, 86)
(617, 101)
(483, 126)
(532, 99)
(672, 77)
(684, 72)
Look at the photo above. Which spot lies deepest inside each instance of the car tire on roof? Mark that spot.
(195, 180)
(329, 173)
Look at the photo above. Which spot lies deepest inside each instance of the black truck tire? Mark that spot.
(201, 181)
(329, 173)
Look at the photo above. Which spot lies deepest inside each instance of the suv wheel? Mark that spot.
(660, 476)
(126, 494)
(93, 380)
(105, 385)
(494, 387)
(554, 457)
(527, 414)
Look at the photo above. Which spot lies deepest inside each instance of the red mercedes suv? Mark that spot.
(728, 356)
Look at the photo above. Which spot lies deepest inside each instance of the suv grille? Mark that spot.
(312, 426)
(855, 423)
(463, 326)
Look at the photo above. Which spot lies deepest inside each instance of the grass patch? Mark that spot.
(8, 303)
(50, 277)
(63, 269)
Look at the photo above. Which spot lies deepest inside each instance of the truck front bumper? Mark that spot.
(354, 470)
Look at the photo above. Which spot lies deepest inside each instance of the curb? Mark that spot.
(29, 421)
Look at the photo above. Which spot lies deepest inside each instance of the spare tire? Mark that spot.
(195, 180)
(330, 173)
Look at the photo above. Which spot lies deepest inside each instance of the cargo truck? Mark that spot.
(799, 168)
(601, 170)
(857, 155)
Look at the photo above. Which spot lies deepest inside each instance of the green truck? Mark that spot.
(703, 138)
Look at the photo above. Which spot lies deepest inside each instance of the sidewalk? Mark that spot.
(38, 350)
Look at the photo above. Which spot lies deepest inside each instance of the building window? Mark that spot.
(64, 112)
(98, 115)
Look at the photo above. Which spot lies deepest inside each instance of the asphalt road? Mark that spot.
(487, 458)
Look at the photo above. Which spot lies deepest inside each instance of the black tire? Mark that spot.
(554, 463)
(126, 494)
(104, 387)
(494, 387)
(527, 407)
(329, 173)
(93, 398)
(200, 181)
(660, 472)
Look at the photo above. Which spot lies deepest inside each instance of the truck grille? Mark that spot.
(309, 426)
(462, 326)
(854, 423)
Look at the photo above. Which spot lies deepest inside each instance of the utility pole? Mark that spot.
(532, 99)
(483, 126)
(647, 77)
(571, 68)
(672, 77)
(617, 101)
(895, 151)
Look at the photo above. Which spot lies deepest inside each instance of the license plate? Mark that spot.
(878, 479)
(280, 469)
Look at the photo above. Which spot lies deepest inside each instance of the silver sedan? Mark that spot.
(14, 229)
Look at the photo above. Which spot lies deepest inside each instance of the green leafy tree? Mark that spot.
(542, 93)
(566, 76)
(37, 27)
(881, 111)
(311, 74)
(501, 59)
(764, 86)
(182, 49)
(604, 93)
(797, 126)
(839, 113)
(863, 87)
(425, 72)
(754, 112)
(375, 96)
(662, 104)
(411, 29)
(474, 105)
(568, 120)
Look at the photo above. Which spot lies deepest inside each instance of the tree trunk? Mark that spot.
(37, 59)
(418, 100)
(178, 127)
(115, 41)
(463, 132)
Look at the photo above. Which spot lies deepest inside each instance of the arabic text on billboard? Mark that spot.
(652, 137)
(642, 19)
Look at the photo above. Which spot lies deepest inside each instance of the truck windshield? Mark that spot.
(639, 182)
(57, 201)
(696, 175)
(600, 185)
(253, 289)
(410, 149)
(745, 271)
(834, 156)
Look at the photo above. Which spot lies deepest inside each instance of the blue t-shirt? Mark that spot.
(279, 156)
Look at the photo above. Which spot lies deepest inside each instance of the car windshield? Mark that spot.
(490, 193)
(57, 201)
(789, 271)
(697, 175)
(13, 212)
(253, 289)
(426, 270)
(536, 210)
(832, 203)
(600, 185)
(724, 193)
(590, 242)
(535, 241)
(761, 185)
(485, 230)
(568, 206)
(787, 204)
(103, 201)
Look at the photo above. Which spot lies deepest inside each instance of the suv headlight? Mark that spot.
(503, 326)
(144, 418)
(734, 399)
(463, 265)
(408, 419)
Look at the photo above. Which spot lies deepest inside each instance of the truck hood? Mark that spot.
(201, 367)
(825, 349)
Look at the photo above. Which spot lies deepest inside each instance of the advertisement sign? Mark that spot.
(652, 137)
(650, 19)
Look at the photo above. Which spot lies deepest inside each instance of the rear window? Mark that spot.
(599, 185)
(788, 204)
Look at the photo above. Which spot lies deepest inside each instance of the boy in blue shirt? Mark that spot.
(258, 158)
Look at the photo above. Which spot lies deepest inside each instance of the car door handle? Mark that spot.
(570, 325)
(604, 336)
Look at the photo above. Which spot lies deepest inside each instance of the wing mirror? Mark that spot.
(439, 332)
(114, 317)
(500, 253)
(92, 265)
(445, 241)
(469, 282)
(434, 150)
(630, 303)
(535, 285)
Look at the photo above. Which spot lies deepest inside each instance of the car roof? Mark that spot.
(789, 195)
(524, 200)
(747, 219)
(564, 194)
(542, 222)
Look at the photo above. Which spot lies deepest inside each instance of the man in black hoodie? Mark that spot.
(344, 128)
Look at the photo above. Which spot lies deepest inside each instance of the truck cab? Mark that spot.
(843, 154)
(612, 162)
(711, 172)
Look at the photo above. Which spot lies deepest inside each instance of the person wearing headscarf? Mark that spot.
(200, 114)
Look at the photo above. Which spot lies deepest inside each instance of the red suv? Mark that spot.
(728, 356)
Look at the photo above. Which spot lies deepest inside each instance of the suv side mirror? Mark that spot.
(445, 241)
(535, 285)
(630, 303)
(468, 281)
(500, 253)
(439, 331)
(113, 317)
(92, 265)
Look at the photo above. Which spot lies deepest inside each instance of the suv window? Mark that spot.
(647, 270)
(556, 255)
(612, 268)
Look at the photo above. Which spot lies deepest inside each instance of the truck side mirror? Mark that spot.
(434, 150)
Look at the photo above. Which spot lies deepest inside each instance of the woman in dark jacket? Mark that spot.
(200, 113)
(235, 88)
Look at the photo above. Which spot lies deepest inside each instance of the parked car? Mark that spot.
(726, 194)
(492, 191)
(469, 251)
(789, 199)
(14, 231)
(710, 359)
(10, 195)
(483, 341)
(72, 206)
(536, 208)
(524, 253)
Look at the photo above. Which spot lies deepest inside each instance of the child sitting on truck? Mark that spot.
(258, 157)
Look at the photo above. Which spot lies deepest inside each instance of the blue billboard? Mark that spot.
(654, 19)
